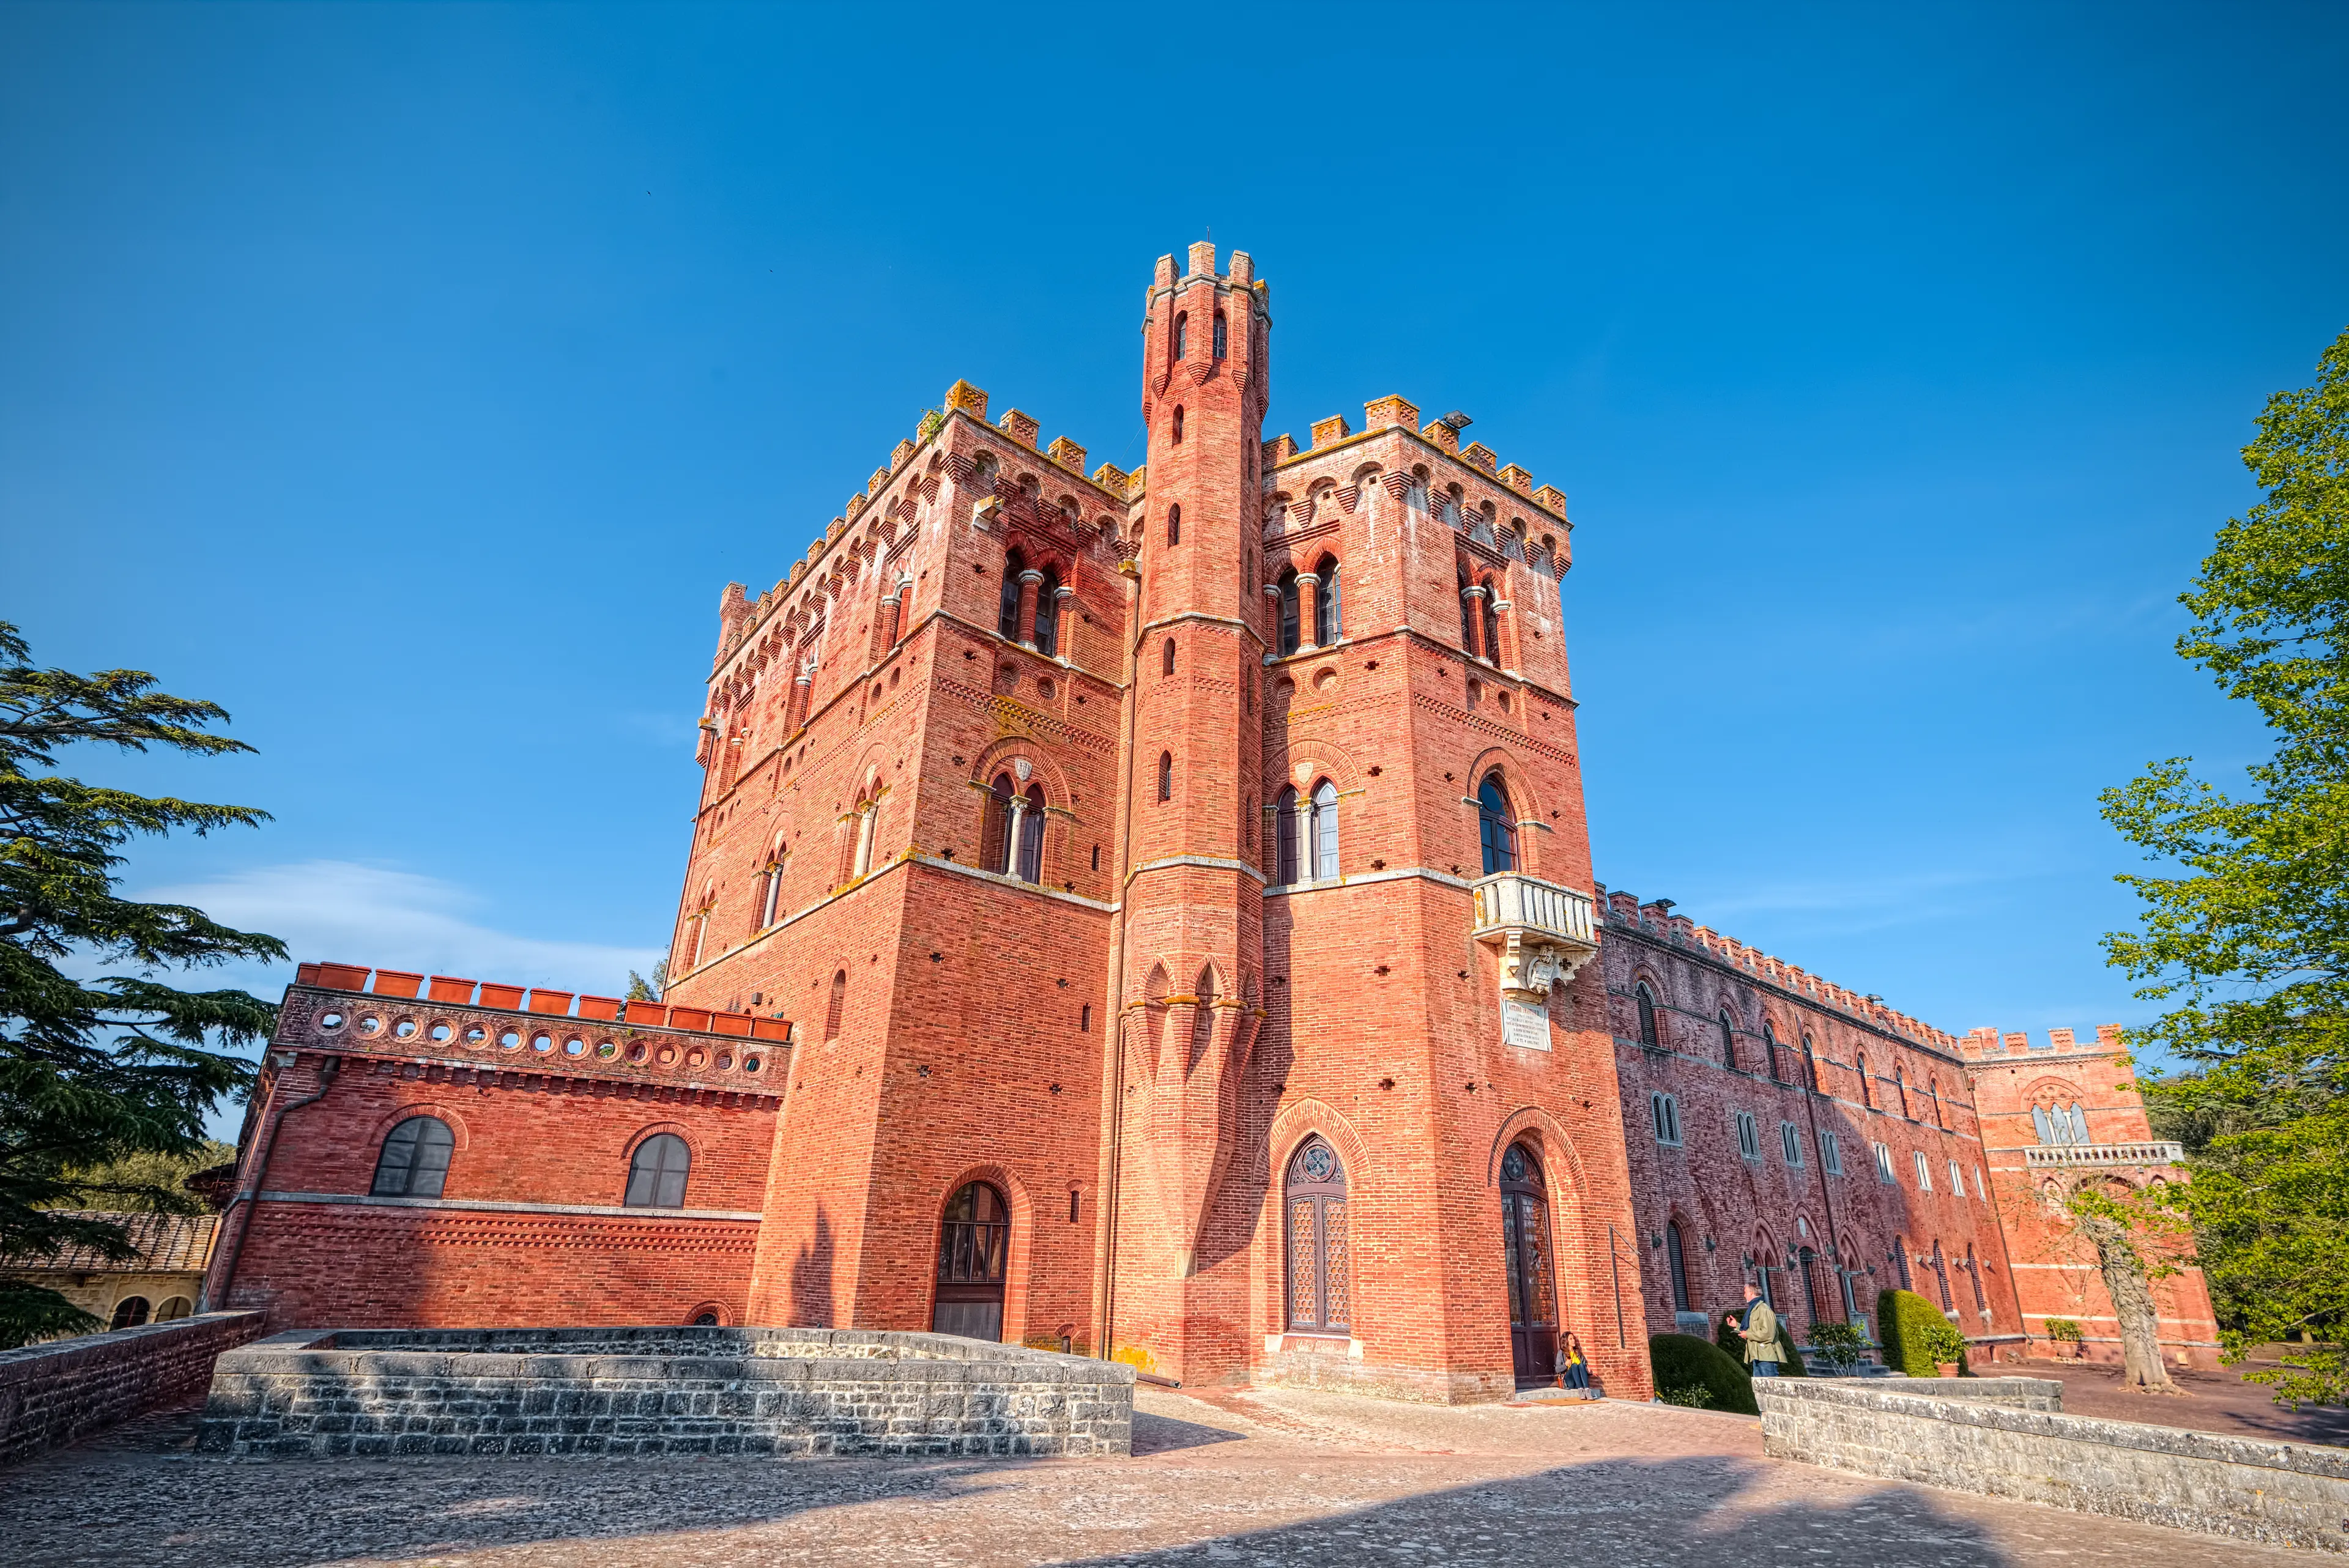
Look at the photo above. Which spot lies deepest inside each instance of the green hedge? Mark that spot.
(1914, 1331)
(1682, 1361)
(1736, 1347)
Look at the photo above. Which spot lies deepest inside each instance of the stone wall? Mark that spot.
(624, 1392)
(60, 1393)
(2284, 1493)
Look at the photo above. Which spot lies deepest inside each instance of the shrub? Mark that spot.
(1682, 1361)
(1917, 1333)
(2064, 1328)
(1735, 1347)
(1696, 1396)
(1840, 1343)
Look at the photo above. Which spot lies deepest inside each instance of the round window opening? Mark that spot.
(1318, 1162)
(330, 1020)
(542, 1042)
(668, 1054)
(476, 1035)
(694, 1058)
(510, 1039)
(749, 1064)
(636, 1052)
(405, 1029)
(370, 1025)
(574, 1046)
(725, 1062)
(607, 1050)
(441, 1032)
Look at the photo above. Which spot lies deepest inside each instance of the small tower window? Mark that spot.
(1048, 613)
(1223, 336)
(1325, 605)
(1287, 634)
(1325, 832)
(833, 1007)
(1497, 827)
(1166, 658)
(1178, 427)
(1728, 1041)
(1646, 1000)
(1166, 775)
(1174, 513)
(1007, 611)
(1182, 340)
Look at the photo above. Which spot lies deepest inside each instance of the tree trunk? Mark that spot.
(2140, 1327)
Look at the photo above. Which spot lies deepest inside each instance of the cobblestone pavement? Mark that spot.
(1241, 1478)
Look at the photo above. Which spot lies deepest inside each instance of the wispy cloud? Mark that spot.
(354, 913)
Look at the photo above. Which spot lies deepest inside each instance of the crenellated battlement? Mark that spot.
(1625, 909)
(1393, 412)
(1994, 1045)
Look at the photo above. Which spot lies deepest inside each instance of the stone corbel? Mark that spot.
(1530, 967)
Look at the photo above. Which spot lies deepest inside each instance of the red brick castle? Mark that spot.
(1153, 915)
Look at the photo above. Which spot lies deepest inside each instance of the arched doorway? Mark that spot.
(1320, 1260)
(1533, 1284)
(974, 1245)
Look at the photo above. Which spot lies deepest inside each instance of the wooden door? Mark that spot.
(1532, 1278)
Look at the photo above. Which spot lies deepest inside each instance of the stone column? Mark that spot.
(1031, 583)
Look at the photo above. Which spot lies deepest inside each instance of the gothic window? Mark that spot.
(1490, 610)
(1645, 1000)
(1223, 336)
(1770, 1050)
(1285, 837)
(2060, 1123)
(770, 901)
(131, 1312)
(838, 1001)
(1830, 1154)
(1665, 1112)
(1166, 658)
(1174, 513)
(1203, 1016)
(1467, 616)
(1728, 1040)
(1029, 867)
(1048, 613)
(1007, 610)
(1289, 627)
(1166, 775)
(1933, 1096)
(656, 1172)
(1497, 825)
(1320, 1260)
(1325, 830)
(414, 1161)
(1326, 620)
(1884, 1163)
(995, 844)
(1924, 1171)
(1178, 441)
(1867, 1085)
(1182, 334)
(1810, 1065)
(982, 478)
(974, 1253)
(1899, 1090)
(1974, 1272)
(1676, 1259)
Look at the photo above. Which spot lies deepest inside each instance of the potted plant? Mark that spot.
(1946, 1347)
(2066, 1334)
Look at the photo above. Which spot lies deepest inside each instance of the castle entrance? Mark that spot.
(974, 1245)
(1533, 1284)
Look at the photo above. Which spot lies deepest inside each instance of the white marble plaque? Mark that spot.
(1522, 1024)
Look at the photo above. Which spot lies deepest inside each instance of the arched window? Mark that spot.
(1467, 615)
(1676, 1259)
(179, 1306)
(1810, 1065)
(771, 897)
(1933, 1094)
(1489, 608)
(1524, 1243)
(1770, 1050)
(1973, 1272)
(2060, 1123)
(656, 1172)
(1497, 825)
(974, 1248)
(414, 1161)
(1031, 865)
(1867, 1085)
(1321, 1256)
(1646, 1001)
(128, 1313)
(1182, 334)
(1289, 631)
(994, 846)
(1203, 1015)
(1325, 832)
(1326, 620)
(1174, 513)
(1728, 1040)
(1286, 856)
(1166, 775)
(1178, 441)
(1007, 604)
(1223, 336)
(1166, 658)
(833, 1007)
(1048, 613)
(1899, 1090)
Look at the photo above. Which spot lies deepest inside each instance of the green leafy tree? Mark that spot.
(2248, 935)
(94, 1072)
(640, 989)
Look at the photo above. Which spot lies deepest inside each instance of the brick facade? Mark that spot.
(997, 827)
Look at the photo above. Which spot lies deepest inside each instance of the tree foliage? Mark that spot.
(97, 1071)
(2247, 932)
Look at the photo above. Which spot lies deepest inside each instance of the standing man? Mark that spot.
(1760, 1331)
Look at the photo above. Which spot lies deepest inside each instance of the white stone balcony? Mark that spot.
(2044, 1155)
(1545, 934)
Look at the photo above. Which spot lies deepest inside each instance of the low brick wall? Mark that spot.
(625, 1392)
(2290, 1495)
(60, 1393)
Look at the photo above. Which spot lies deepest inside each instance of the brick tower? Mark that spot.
(1191, 946)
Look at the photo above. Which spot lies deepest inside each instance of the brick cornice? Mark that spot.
(608, 1211)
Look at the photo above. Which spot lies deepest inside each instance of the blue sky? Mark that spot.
(411, 379)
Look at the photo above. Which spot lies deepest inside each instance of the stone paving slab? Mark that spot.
(1287, 1476)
